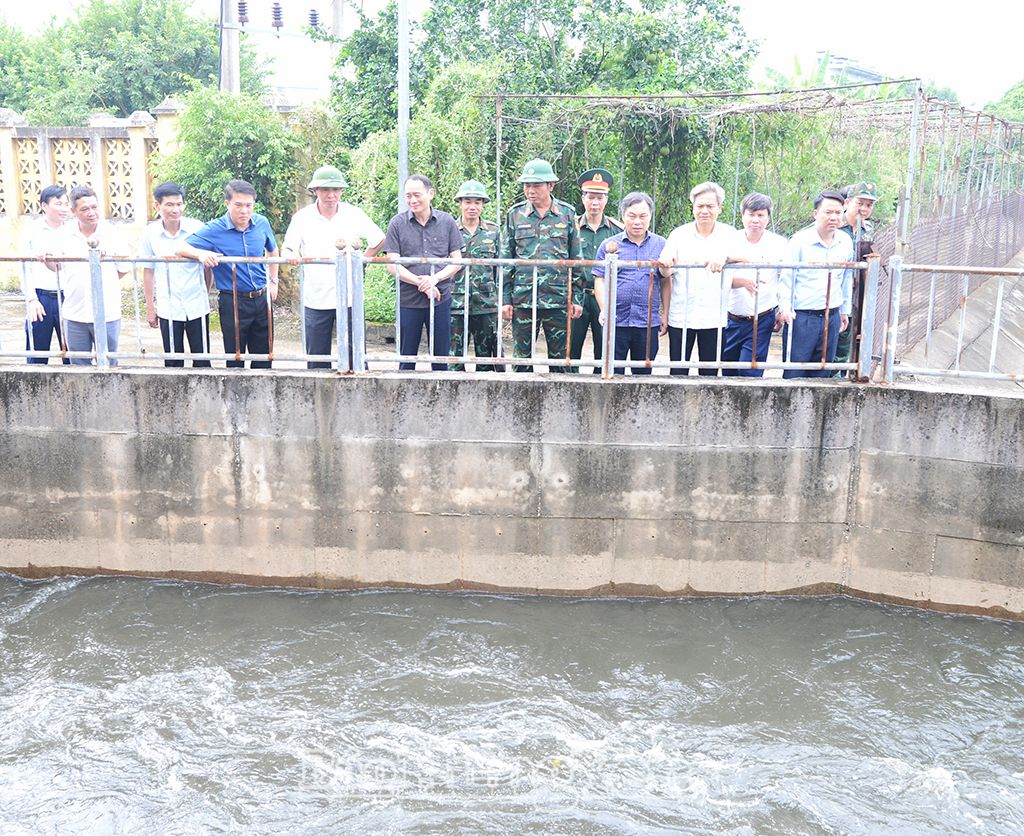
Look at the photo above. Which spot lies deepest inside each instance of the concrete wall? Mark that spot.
(513, 483)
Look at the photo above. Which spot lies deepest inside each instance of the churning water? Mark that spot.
(140, 706)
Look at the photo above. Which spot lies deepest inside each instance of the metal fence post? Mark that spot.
(342, 264)
(892, 323)
(99, 316)
(358, 311)
(611, 282)
(867, 319)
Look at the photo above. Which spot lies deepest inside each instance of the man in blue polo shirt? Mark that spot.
(240, 232)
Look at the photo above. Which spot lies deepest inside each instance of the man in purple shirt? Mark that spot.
(641, 294)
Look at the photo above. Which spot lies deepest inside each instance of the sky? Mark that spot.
(978, 54)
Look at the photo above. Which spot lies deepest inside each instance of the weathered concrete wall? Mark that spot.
(565, 485)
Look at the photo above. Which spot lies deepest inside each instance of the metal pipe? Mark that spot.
(996, 325)
(357, 302)
(403, 101)
(892, 322)
(99, 319)
(867, 319)
(341, 279)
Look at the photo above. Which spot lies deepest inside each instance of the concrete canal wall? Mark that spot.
(666, 487)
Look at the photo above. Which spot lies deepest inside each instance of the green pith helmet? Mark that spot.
(538, 171)
(473, 188)
(327, 177)
(863, 189)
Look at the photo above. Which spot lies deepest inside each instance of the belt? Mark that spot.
(740, 318)
(247, 294)
(589, 290)
(51, 293)
(820, 312)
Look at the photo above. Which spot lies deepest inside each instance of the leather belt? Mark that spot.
(247, 294)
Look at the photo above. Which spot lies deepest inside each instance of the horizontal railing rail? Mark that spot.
(349, 353)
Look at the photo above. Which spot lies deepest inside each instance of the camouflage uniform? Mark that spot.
(590, 240)
(483, 297)
(554, 236)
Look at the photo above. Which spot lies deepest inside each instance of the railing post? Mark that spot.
(356, 268)
(342, 263)
(867, 319)
(99, 316)
(611, 284)
(892, 322)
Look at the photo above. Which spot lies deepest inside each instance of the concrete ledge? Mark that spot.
(520, 484)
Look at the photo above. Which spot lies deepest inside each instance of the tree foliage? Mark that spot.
(223, 137)
(117, 56)
(1011, 105)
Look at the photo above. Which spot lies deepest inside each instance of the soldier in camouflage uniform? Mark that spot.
(541, 228)
(860, 201)
(481, 242)
(594, 226)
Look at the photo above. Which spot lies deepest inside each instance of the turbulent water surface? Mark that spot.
(141, 706)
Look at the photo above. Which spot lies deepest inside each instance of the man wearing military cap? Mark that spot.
(594, 226)
(860, 202)
(313, 233)
(475, 290)
(540, 227)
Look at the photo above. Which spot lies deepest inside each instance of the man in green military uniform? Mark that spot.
(477, 299)
(541, 228)
(860, 202)
(594, 226)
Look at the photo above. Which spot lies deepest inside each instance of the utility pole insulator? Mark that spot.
(243, 12)
(277, 17)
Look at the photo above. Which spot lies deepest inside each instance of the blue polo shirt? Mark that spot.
(220, 236)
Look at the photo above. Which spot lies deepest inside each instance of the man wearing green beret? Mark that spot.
(475, 291)
(541, 228)
(594, 226)
(860, 203)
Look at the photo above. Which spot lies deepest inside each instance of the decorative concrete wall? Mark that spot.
(511, 483)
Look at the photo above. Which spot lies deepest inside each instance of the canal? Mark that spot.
(133, 705)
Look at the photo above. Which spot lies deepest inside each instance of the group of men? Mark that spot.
(684, 289)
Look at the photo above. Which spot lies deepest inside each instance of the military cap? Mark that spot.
(596, 180)
(863, 189)
(538, 171)
(327, 177)
(473, 188)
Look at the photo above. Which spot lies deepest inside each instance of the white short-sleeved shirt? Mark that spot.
(770, 249)
(75, 278)
(179, 287)
(700, 300)
(39, 239)
(311, 235)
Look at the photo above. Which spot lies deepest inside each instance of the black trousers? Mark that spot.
(253, 328)
(198, 333)
(707, 347)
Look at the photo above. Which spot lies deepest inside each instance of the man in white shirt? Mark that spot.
(699, 298)
(755, 293)
(177, 295)
(313, 233)
(817, 301)
(42, 286)
(77, 281)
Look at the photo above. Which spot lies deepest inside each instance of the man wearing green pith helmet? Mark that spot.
(541, 227)
(314, 232)
(475, 290)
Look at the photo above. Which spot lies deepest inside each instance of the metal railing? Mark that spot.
(351, 355)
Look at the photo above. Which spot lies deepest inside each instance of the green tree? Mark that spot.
(116, 56)
(1011, 105)
(223, 137)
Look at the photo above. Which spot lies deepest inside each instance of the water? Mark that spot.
(140, 706)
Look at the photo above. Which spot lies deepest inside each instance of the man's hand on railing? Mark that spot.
(783, 318)
(428, 287)
(506, 312)
(207, 258)
(291, 256)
